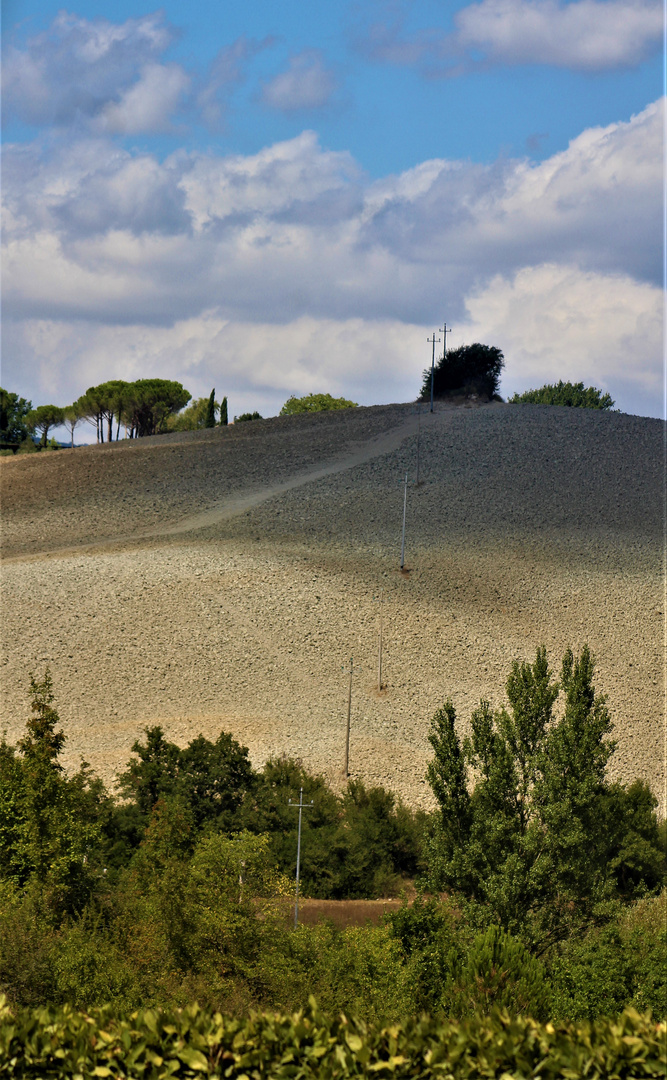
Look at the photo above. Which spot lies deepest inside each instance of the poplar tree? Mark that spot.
(524, 824)
(223, 413)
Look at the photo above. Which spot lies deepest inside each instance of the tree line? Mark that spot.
(538, 878)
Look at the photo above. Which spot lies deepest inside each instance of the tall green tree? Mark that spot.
(43, 419)
(472, 368)
(13, 413)
(49, 822)
(224, 419)
(523, 824)
(210, 410)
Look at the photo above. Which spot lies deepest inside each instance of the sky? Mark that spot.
(276, 199)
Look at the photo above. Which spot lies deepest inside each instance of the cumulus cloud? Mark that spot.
(117, 247)
(559, 322)
(583, 35)
(307, 84)
(95, 72)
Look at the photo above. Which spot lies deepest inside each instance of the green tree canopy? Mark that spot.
(193, 418)
(315, 403)
(565, 393)
(150, 402)
(13, 413)
(43, 419)
(528, 824)
(469, 369)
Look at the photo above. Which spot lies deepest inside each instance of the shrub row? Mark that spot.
(193, 1043)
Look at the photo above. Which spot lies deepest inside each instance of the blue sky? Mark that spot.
(281, 198)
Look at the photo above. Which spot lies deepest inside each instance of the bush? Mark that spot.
(193, 1043)
(565, 393)
(310, 403)
(470, 369)
(248, 416)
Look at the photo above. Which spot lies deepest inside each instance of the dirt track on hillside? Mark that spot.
(221, 579)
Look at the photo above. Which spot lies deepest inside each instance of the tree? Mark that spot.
(223, 413)
(150, 403)
(48, 822)
(210, 410)
(469, 369)
(13, 413)
(194, 418)
(247, 416)
(315, 403)
(209, 779)
(532, 840)
(565, 393)
(43, 419)
(72, 416)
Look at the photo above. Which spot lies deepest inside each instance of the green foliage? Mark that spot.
(624, 963)
(144, 406)
(43, 418)
(499, 972)
(469, 369)
(13, 413)
(539, 839)
(247, 416)
(565, 393)
(310, 403)
(48, 822)
(194, 418)
(211, 779)
(210, 410)
(194, 1042)
(223, 413)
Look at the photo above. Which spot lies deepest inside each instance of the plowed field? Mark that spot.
(222, 579)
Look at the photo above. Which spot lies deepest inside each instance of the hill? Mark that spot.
(222, 578)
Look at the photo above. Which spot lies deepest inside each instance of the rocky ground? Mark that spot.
(223, 579)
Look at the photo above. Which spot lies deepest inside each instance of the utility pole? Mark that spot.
(405, 505)
(302, 806)
(380, 643)
(444, 330)
(432, 341)
(419, 431)
(346, 768)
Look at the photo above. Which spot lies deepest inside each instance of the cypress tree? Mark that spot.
(210, 411)
(223, 413)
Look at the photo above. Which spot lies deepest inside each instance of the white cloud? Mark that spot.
(123, 248)
(587, 35)
(583, 35)
(307, 84)
(95, 71)
(558, 322)
(147, 105)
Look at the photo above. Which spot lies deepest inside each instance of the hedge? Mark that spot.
(192, 1042)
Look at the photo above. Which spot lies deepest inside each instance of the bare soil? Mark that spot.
(222, 579)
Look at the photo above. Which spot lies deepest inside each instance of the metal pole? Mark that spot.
(405, 504)
(301, 806)
(419, 431)
(432, 368)
(349, 713)
(380, 645)
(298, 861)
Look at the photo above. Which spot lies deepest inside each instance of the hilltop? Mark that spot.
(222, 578)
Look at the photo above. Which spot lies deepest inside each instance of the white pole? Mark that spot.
(405, 504)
